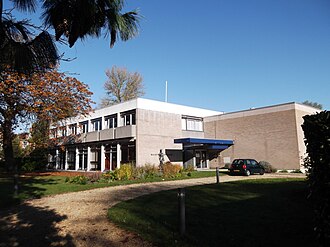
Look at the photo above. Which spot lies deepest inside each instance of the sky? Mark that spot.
(224, 55)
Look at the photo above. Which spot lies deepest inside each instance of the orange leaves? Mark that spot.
(49, 95)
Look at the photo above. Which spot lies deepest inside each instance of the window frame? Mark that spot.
(190, 123)
(84, 127)
(96, 124)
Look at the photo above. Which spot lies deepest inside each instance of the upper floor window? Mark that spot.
(84, 127)
(111, 121)
(192, 123)
(63, 131)
(97, 124)
(128, 118)
(53, 133)
(73, 129)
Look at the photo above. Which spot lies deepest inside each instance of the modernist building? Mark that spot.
(144, 131)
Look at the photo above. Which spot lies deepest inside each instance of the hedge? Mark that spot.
(317, 139)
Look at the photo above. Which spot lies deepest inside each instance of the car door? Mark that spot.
(249, 166)
(254, 166)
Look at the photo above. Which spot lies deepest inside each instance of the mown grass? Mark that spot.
(38, 186)
(267, 212)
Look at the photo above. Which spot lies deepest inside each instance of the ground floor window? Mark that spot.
(61, 159)
(82, 158)
(95, 159)
(110, 157)
(71, 159)
(128, 153)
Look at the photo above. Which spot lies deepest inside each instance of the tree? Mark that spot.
(72, 19)
(316, 129)
(79, 18)
(121, 86)
(313, 104)
(49, 96)
(22, 50)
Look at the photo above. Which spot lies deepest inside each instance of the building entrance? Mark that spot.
(201, 159)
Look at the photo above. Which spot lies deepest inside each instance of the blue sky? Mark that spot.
(224, 55)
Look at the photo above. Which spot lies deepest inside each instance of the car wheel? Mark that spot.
(262, 172)
(247, 173)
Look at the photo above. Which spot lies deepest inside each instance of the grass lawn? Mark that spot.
(267, 212)
(38, 186)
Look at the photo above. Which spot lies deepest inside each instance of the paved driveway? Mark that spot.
(79, 219)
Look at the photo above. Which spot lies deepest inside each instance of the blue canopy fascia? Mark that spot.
(209, 144)
(202, 141)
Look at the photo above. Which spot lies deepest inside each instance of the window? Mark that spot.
(84, 127)
(128, 154)
(73, 129)
(128, 118)
(63, 131)
(97, 124)
(53, 133)
(111, 121)
(254, 163)
(192, 123)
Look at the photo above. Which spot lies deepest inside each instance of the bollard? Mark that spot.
(217, 174)
(182, 211)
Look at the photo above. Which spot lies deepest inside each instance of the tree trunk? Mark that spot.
(10, 162)
(1, 8)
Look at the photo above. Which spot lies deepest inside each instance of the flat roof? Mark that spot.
(264, 110)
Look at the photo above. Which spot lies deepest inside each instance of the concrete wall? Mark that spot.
(272, 134)
(154, 131)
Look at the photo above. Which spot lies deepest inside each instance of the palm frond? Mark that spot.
(21, 51)
(80, 18)
(129, 25)
(26, 5)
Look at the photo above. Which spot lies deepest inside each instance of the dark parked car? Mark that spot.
(246, 167)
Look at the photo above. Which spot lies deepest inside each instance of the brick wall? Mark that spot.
(266, 136)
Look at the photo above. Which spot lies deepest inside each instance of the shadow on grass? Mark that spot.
(245, 213)
(29, 188)
(25, 225)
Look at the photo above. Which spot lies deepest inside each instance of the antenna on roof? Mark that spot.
(165, 91)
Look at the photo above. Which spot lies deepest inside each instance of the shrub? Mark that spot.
(125, 172)
(296, 171)
(150, 171)
(108, 177)
(317, 133)
(171, 170)
(267, 166)
(81, 179)
(94, 177)
(29, 166)
(145, 172)
(138, 173)
(283, 171)
(189, 168)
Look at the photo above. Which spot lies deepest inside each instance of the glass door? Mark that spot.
(201, 161)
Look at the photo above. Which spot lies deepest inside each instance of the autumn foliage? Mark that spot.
(49, 96)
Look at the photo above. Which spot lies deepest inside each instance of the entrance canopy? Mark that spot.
(210, 144)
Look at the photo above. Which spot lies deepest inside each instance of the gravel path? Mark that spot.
(79, 219)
